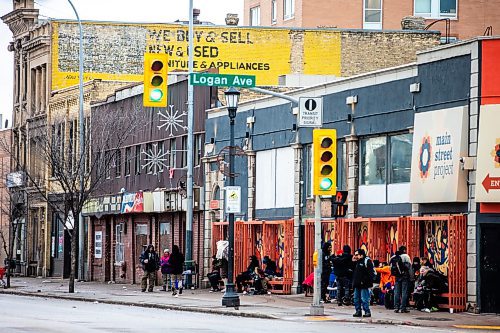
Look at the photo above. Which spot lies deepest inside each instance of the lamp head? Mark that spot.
(232, 98)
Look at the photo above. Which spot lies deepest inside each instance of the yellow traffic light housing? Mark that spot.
(324, 162)
(155, 80)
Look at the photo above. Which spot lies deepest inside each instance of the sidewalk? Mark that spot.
(289, 307)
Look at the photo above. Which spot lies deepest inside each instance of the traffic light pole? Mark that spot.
(190, 125)
(317, 308)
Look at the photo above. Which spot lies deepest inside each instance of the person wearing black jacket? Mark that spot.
(362, 280)
(150, 264)
(326, 271)
(176, 262)
(342, 267)
(247, 275)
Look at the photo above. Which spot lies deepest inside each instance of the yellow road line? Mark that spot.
(478, 327)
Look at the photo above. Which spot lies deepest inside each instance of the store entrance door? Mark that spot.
(490, 268)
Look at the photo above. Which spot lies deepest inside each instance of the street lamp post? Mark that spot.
(231, 298)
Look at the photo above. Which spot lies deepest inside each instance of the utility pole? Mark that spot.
(190, 152)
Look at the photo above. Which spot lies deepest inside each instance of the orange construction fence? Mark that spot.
(441, 238)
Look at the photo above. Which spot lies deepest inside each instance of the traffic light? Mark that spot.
(155, 79)
(324, 162)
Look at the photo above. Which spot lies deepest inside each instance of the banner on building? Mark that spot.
(488, 155)
(133, 203)
(439, 141)
(115, 51)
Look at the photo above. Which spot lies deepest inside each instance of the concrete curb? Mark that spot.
(145, 305)
(209, 310)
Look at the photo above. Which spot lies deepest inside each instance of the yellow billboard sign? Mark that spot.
(114, 51)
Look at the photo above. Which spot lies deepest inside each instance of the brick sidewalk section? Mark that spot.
(287, 307)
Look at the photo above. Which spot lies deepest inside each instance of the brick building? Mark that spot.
(466, 18)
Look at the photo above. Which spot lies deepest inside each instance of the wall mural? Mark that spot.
(258, 242)
(328, 233)
(363, 236)
(436, 245)
(281, 247)
(391, 240)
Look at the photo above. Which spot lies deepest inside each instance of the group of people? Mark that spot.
(256, 277)
(171, 265)
(395, 282)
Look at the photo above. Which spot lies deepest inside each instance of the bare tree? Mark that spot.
(55, 157)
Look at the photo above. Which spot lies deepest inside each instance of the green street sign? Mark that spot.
(224, 80)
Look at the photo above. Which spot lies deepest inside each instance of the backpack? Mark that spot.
(373, 273)
(398, 269)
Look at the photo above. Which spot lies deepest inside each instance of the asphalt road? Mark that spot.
(34, 314)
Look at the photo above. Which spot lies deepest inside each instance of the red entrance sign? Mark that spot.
(491, 183)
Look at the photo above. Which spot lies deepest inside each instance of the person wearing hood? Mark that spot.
(248, 274)
(150, 264)
(326, 270)
(176, 262)
(343, 267)
(165, 270)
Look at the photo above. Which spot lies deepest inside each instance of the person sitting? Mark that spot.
(248, 274)
(215, 275)
(430, 284)
(385, 278)
(271, 269)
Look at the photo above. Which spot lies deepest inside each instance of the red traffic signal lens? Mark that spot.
(326, 156)
(156, 81)
(157, 65)
(326, 143)
(326, 170)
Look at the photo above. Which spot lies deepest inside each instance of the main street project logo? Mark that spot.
(424, 162)
(495, 153)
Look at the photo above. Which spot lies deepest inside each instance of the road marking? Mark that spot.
(320, 318)
(478, 327)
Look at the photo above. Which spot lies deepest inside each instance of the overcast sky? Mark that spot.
(156, 11)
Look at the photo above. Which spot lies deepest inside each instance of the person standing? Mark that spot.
(165, 270)
(401, 269)
(176, 262)
(342, 267)
(362, 281)
(150, 264)
(326, 271)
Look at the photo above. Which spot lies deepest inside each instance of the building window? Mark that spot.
(372, 14)
(288, 9)
(436, 8)
(173, 153)
(401, 146)
(118, 163)
(274, 11)
(120, 246)
(275, 178)
(107, 163)
(161, 156)
(149, 150)
(373, 161)
(184, 151)
(197, 149)
(128, 160)
(376, 156)
(138, 160)
(255, 16)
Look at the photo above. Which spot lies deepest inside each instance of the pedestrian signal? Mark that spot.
(155, 80)
(324, 162)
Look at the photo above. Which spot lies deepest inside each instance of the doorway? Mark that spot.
(490, 268)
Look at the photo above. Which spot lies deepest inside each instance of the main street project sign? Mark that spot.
(115, 51)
